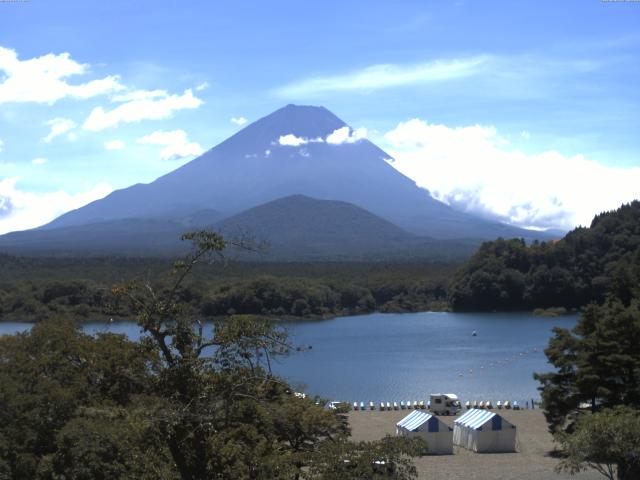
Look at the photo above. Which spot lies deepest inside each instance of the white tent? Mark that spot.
(484, 431)
(439, 435)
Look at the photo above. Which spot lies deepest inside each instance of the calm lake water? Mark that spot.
(387, 357)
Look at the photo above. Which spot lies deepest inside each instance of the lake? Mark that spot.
(387, 357)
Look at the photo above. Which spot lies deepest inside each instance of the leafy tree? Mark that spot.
(184, 403)
(387, 458)
(107, 443)
(230, 417)
(608, 442)
(598, 362)
(583, 267)
(51, 372)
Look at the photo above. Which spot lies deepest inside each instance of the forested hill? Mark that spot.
(583, 267)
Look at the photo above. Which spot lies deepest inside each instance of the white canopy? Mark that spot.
(438, 435)
(484, 431)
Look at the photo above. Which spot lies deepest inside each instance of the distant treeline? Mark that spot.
(39, 288)
(584, 267)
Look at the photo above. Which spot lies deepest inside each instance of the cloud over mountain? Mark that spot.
(176, 144)
(475, 169)
(21, 210)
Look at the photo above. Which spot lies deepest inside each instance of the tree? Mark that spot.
(185, 402)
(50, 373)
(608, 442)
(228, 415)
(106, 443)
(598, 362)
(387, 458)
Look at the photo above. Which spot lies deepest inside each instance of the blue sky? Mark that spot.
(535, 102)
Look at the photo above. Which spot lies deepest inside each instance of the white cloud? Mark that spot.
(290, 140)
(239, 120)
(525, 134)
(58, 126)
(475, 169)
(139, 95)
(346, 135)
(140, 105)
(388, 75)
(72, 137)
(176, 144)
(39, 161)
(202, 86)
(44, 79)
(20, 210)
(114, 145)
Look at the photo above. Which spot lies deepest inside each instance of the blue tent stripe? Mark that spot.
(476, 419)
(414, 420)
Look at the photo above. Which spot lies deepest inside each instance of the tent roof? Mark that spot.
(412, 421)
(476, 418)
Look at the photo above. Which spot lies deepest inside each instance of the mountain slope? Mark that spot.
(300, 226)
(252, 167)
(293, 228)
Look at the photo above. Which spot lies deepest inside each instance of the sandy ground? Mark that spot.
(531, 462)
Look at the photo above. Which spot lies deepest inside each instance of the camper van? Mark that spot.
(444, 403)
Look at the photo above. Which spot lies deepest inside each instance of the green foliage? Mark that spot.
(608, 442)
(177, 405)
(51, 372)
(385, 459)
(584, 266)
(598, 362)
(109, 443)
(79, 407)
(37, 288)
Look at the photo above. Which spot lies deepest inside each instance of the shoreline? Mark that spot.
(311, 318)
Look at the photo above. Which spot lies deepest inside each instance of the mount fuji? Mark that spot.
(295, 152)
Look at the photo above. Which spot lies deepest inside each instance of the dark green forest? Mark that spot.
(175, 405)
(36, 288)
(585, 266)
(591, 398)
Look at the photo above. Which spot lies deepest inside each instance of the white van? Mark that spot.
(444, 403)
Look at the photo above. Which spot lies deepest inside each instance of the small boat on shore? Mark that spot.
(507, 404)
(402, 405)
(362, 406)
(515, 405)
(395, 405)
(475, 404)
(355, 406)
(481, 404)
(388, 406)
(488, 404)
(371, 406)
(415, 405)
(381, 406)
(408, 404)
(474, 334)
(421, 404)
(467, 404)
(499, 404)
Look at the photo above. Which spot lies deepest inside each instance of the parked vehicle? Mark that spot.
(444, 403)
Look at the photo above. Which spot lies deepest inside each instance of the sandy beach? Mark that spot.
(531, 462)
